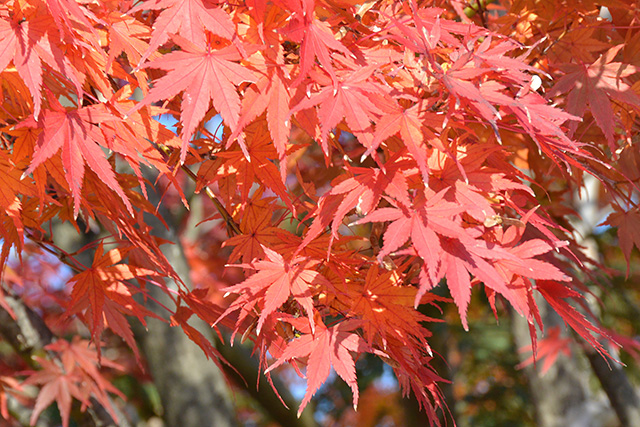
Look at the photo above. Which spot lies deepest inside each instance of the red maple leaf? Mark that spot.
(275, 281)
(471, 180)
(125, 33)
(76, 133)
(524, 262)
(409, 123)
(270, 93)
(628, 224)
(316, 38)
(256, 228)
(29, 44)
(423, 223)
(459, 260)
(556, 294)
(204, 74)
(594, 86)
(188, 18)
(248, 165)
(11, 186)
(102, 292)
(57, 385)
(549, 348)
(324, 348)
(363, 191)
(349, 97)
(76, 376)
(386, 309)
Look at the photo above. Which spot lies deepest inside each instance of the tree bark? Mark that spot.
(615, 383)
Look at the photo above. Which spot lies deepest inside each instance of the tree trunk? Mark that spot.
(192, 388)
(564, 387)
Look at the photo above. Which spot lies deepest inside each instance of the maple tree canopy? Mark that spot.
(369, 158)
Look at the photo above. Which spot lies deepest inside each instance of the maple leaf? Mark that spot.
(594, 86)
(243, 168)
(549, 348)
(423, 223)
(628, 224)
(69, 16)
(273, 283)
(459, 260)
(125, 33)
(409, 123)
(28, 44)
(189, 18)
(204, 74)
(524, 264)
(270, 93)
(76, 133)
(556, 293)
(76, 376)
(11, 186)
(363, 191)
(58, 386)
(349, 98)
(470, 180)
(27, 62)
(255, 224)
(316, 38)
(103, 292)
(445, 247)
(326, 347)
(386, 308)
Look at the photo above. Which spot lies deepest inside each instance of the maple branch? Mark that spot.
(475, 7)
(28, 335)
(616, 385)
(232, 226)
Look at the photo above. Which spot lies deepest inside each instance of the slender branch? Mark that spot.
(234, 228)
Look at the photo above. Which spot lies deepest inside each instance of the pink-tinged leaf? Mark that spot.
(363, 192)
(9, 40)
(203, 74)
(14, 46)
(350, 98)
(409, 123)
(76, 133)
(188, 18)
(325, 348)
(59, 390)
(270, 93)
(272, 285)
(317, 42)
